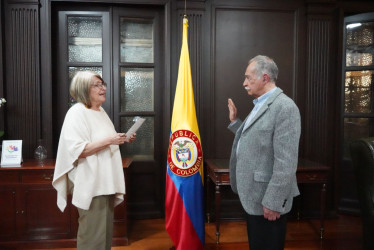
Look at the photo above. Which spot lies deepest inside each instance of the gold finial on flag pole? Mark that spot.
(185, 20)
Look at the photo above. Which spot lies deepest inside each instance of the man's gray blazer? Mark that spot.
(263, 171)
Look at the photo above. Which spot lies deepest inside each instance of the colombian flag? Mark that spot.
(184, 212)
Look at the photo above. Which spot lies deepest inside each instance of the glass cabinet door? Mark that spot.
(86, 48)
(357, 107)
(358, 75)
(136, 71)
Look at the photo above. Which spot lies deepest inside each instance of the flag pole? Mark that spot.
(185, 4)
(184, 191)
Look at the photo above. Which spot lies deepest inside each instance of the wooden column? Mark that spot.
(22, 72)
(319, 124)
(322, 96)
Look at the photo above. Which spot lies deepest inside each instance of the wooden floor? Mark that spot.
(343, 233)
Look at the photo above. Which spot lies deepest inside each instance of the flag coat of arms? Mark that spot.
(184, 211)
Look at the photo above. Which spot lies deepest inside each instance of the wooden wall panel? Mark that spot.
(2, 116)
(239, 35)
(22, 74)
(319, 123)
(320, 102)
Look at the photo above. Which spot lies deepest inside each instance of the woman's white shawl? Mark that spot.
(98, 174)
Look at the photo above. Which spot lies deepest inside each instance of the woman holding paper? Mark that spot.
(89, 164)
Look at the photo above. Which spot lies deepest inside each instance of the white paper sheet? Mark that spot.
(139, 121)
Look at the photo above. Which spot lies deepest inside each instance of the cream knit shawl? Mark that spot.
(98, 174)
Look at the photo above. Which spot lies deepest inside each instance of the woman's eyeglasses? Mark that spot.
(100, 86)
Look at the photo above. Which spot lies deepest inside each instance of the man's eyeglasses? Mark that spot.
(100, 86)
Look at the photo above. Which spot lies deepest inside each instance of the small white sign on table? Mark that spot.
(11, 155)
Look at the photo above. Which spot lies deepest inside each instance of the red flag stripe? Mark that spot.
(176, 219)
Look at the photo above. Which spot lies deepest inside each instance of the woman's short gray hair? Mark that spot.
(265, 65)
(80, 86)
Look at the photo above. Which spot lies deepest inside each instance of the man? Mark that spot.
(264, 156)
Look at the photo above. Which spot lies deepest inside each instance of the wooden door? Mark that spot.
(138, 85)
(8, 212)
(128, 54)
(39, 217)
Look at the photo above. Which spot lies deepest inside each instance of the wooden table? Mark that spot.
(50, 164)
(307, 172)
(29, 216)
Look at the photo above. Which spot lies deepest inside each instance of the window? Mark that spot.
(358, 79)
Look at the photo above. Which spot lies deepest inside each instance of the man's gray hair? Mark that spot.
(265, 65)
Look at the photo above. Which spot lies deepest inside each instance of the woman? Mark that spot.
(88, 163)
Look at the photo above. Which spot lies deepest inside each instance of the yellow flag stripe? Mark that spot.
(184, 113)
